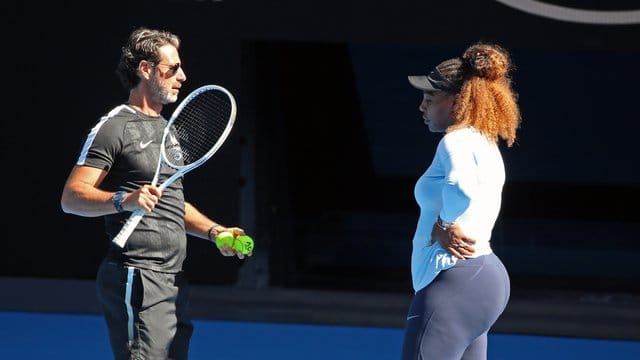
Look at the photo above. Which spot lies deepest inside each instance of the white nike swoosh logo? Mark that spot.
(412, 317)
(144, 145)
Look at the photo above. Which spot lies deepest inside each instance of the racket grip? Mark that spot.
(128, 228)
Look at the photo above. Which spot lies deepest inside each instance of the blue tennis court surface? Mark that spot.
(70, 336)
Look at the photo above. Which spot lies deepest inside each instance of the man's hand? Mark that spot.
(453, 240)
(226, 250)
(145, 198)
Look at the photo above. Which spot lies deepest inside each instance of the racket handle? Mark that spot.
(128, 228)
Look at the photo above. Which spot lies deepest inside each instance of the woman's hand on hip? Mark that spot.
(453, 240)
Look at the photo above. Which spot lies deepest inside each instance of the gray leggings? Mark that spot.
(449, 319)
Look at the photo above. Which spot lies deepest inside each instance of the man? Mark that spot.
(141, 287)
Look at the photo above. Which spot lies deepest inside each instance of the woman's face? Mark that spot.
(437, 110)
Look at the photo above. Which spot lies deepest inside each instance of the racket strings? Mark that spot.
(198, 127)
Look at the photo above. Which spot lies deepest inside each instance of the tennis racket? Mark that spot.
(196, 130)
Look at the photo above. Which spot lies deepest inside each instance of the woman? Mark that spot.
(461, 287)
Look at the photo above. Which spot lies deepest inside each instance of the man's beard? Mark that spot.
(161, 94)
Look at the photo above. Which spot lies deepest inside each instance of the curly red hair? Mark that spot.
(486, 100)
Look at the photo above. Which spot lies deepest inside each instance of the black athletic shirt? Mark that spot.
(126, 144)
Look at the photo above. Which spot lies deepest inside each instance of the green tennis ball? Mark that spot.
(243, 244)
(224, 238)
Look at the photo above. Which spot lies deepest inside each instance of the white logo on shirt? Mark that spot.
(412, 317)
(145, 144)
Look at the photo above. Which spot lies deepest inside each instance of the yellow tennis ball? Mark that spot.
(224, 238)
(243, 244)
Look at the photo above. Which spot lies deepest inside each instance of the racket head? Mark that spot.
(198, 127)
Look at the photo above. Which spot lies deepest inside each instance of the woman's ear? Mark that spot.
(452, 102)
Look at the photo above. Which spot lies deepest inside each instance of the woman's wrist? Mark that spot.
(443, 224)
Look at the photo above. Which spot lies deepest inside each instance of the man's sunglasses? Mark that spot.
(173, 68)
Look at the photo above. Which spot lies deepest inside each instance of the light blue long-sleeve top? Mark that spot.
(464, 185)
